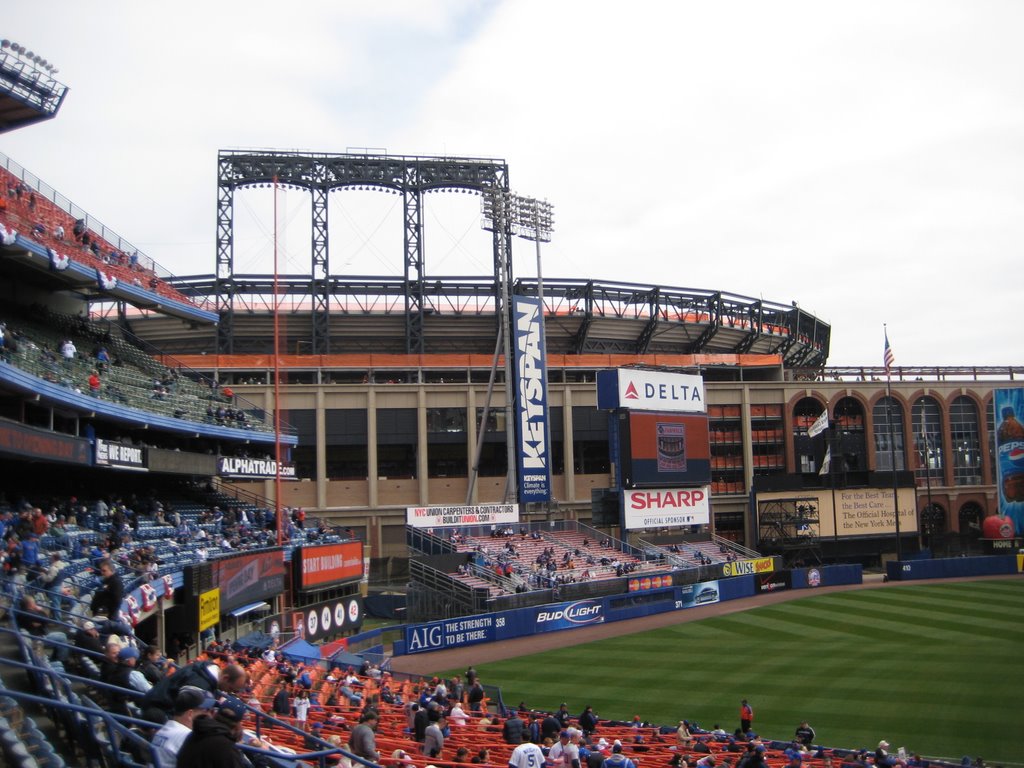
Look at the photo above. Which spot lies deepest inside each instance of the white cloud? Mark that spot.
(860, 158)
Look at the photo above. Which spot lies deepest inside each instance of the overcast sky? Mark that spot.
(864, 159)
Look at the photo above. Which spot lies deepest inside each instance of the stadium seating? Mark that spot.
(134, 378)
(29, 210)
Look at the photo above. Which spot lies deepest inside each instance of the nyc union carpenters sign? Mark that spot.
(481, 514)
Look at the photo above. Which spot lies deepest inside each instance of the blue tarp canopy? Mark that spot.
(249, 608)
(255, 639)
(299, 650)
(345, 659)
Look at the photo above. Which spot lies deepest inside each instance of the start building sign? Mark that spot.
(666, 507)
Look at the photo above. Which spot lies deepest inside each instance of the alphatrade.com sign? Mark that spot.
(236, 466)
(666, 507)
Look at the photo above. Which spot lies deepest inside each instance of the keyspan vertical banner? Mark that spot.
(531, 415)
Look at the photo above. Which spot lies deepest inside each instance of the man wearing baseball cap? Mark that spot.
(123, 674)
(230, 680)
(213, 740)
(564, 753)
(191, 704)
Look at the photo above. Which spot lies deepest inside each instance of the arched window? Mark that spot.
(926, 421)
(970, 525)
(888, 410)
(963, 430)
(933, 522)
(848, 443)
(809, 451)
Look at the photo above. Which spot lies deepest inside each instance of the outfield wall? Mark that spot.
(556, 617)
(989, 565)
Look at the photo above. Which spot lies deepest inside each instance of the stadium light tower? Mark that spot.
(507, 213)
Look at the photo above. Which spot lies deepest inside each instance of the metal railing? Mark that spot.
(22, 79)
(47, 192)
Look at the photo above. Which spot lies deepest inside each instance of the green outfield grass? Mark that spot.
(937, 668)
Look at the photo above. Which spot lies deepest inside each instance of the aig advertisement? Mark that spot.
(666, 507)
(323, 620)
(328, 565)
(1009, 410)
(534, 453)
(490, 627)
(650, 391)
(248, 578)
(664, 449)
(452, 633)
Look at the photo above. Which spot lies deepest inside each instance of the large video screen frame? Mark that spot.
(664, 450)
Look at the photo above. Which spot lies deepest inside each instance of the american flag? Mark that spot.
(888, 357)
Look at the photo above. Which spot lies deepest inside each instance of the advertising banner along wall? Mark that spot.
(120, 456)
(29, 443)
(533, 454)
(521, 622)
(236, 466)
(857, 511)
(327, 565)
(316, 622)
(481, 514)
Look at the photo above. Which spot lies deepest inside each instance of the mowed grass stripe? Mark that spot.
(940, 692)
(975, 617)
(925, 623)
(949, 600)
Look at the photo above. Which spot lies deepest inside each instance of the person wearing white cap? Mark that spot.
(564, 753)
(882, 756)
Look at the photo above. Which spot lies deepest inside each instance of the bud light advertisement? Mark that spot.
(1008, 406)
(569, 615)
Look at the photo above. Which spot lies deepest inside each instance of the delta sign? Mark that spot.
(640, 390)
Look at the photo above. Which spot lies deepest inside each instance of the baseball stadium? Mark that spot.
(419, 519)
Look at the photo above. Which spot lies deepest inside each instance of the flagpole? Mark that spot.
(927, 474)
(892, 443)
(832, 478)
